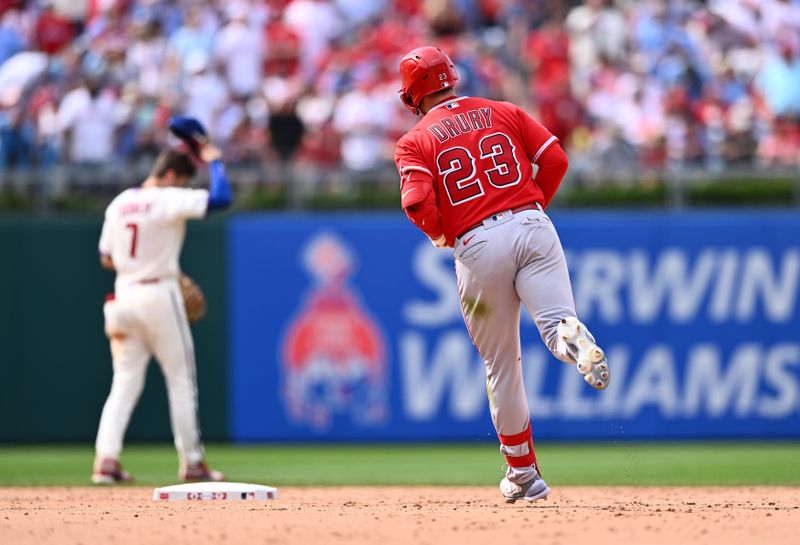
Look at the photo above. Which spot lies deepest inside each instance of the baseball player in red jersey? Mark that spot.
(468, 181)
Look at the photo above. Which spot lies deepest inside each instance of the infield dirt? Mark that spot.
(404, 515)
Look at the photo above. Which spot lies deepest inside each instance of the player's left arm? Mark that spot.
(543, 150)
(417, 196)
(419, 203)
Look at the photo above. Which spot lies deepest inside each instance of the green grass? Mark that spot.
(308, 465)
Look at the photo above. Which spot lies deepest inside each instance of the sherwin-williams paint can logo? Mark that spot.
(333, 356)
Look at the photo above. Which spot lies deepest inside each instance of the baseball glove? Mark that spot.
(190, 131)
(193, 299)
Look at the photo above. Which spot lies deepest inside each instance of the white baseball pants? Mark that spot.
(150, 320)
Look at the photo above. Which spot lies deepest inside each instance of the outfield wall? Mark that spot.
(350, 328)
(347, 327)
(55, 365)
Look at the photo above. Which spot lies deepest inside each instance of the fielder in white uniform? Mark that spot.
(141, 240)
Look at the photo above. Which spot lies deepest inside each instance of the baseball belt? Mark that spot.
(522, 208)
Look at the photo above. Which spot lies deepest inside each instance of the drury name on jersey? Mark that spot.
(472, 120)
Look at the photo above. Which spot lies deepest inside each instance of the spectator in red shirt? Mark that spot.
(53, 32)
(283, 46)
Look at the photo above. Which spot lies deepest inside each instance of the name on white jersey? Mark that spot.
(135, 208)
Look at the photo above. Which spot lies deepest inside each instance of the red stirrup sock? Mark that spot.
(518, 449)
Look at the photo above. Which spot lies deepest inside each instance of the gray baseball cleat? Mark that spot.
(535, 489)
(590, 358)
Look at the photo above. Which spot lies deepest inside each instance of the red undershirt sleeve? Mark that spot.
(417, 196)
(419, 203)
(552, 165)
(543, 150)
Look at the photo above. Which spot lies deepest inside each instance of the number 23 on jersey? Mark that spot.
(464, 175)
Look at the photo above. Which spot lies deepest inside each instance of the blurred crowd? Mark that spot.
(625, 85)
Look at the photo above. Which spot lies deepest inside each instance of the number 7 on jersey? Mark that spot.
(134, 227)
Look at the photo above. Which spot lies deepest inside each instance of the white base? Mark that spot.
(215, 491)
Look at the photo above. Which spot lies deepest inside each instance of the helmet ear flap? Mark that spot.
(408, 102)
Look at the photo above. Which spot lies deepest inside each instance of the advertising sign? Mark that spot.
(349, 328)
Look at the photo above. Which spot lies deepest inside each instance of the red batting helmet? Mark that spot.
(423, 71)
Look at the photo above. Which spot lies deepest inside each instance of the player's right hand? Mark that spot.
(190, 131)
(209, 152)
(439, 242)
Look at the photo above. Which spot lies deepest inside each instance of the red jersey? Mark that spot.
(476, 155)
